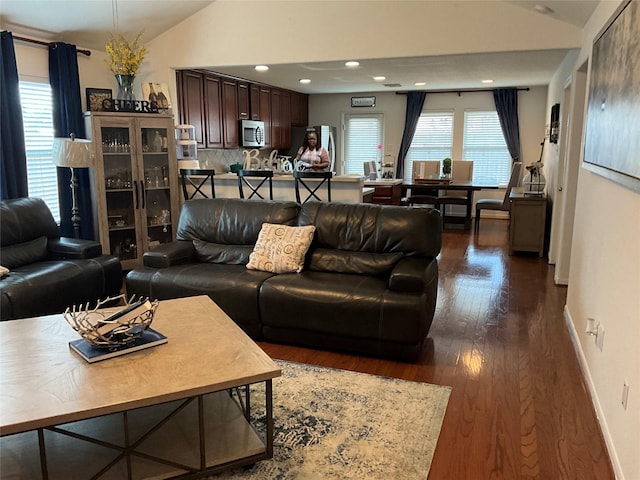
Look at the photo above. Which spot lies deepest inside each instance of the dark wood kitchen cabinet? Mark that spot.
(191, 101)
(265, 113)
(299, 109)
(280, 118)
(276, 118)
(209, 103)
(213, 111)
(254, 101)
(230, 113)
(244, 112)
(214, 104)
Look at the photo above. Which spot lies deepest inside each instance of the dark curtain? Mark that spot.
(506, 100)
(13, 158)
(68, 119)
(415, 102)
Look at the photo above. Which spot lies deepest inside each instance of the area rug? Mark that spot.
(335, 424)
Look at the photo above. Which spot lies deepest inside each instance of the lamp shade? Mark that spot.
(72, 152)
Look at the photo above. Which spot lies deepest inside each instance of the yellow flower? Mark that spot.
(125, 56)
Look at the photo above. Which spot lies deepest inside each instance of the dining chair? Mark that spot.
(197, 178)
(261, 176)
(497, 204)
(301, 180)
(425, 169)
(422, 169)
(461, 171)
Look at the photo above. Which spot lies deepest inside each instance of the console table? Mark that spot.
(527, 215)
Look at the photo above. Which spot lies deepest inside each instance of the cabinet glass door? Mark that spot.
(121, 194)
(156, 184)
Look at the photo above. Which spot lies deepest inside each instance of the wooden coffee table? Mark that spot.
(178, 409)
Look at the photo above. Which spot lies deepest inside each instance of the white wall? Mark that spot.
(604, 283)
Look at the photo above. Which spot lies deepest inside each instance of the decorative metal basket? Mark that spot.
(108, 328)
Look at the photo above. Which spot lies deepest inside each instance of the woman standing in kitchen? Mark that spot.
(310, 155)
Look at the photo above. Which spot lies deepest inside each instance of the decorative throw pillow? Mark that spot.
(280, 248)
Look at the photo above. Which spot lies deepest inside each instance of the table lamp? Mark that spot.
(74, 153)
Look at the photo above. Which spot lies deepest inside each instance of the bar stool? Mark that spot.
(265, 175)
(299, 180)
(188, 176)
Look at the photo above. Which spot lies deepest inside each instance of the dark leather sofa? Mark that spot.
(48, 273)
(369, 284)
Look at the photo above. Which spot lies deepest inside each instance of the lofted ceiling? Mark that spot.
(88, 24)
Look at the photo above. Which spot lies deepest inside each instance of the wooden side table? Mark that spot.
(527, 216)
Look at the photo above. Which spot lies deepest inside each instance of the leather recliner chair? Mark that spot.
(48, 273)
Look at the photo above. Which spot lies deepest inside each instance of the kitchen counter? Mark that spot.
(347, 189)
(383, 182)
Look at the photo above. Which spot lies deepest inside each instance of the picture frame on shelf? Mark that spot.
(157, 94)
(95, 97)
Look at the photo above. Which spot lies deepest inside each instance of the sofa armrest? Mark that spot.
(413, 274)
(73, 248)
(169, 254)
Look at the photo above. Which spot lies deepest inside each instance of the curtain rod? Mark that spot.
(461, 91)
(47, 44)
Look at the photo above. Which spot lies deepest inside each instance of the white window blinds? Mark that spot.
(433, 140)
(37, 116)
(362, 136)
(484, 144)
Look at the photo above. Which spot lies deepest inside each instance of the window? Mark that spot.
(362, 138)
(433, 140)
(37, 115)
(484, 144)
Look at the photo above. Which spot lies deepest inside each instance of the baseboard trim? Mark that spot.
(582, 360)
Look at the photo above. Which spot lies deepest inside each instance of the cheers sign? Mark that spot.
(130, 106)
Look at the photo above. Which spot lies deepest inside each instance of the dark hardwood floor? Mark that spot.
(519, 408)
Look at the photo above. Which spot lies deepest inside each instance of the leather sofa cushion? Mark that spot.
(217, 253)
(231, 221)
(328, 260)
(24, 219)
(24, 253)
(51, 286)
(361, 227)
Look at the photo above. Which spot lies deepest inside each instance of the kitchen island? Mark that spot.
(346, 189)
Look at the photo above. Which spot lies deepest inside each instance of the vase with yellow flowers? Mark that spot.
(125, 57)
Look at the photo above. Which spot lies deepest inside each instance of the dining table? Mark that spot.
(433, 188)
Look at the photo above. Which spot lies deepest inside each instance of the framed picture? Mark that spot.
(95, 96)
(156, 94)
(613, 111)
(363, 101)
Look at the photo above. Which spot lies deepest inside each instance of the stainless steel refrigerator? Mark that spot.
(326, 138)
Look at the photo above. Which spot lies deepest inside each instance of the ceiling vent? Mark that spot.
(392, 85)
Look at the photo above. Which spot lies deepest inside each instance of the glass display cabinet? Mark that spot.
(135, 182)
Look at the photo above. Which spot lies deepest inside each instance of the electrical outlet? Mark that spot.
(599, 337)
(591, 326)
(625, 394)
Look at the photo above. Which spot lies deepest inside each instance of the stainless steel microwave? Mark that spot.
(252, 133)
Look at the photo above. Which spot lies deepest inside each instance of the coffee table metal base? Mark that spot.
(188, 438)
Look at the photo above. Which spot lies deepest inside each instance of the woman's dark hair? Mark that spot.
(305, 144)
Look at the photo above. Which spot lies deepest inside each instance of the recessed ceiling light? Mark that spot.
(305, 80)
(261, 68)
(487, 81)
(420, 84)
(352, 63)
(379, 78)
